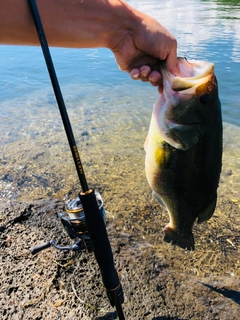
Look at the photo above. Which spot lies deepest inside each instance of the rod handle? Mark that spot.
(99, 239)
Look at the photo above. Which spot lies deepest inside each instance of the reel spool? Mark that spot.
(74, 220)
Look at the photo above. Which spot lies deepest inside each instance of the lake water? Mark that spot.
(110, 116)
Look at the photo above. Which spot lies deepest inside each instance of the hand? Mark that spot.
(139, 52)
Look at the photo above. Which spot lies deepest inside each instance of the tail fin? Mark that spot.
(183, 241)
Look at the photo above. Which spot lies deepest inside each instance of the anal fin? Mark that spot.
(208, 212)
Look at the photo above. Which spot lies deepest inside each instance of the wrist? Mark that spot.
(125, 22)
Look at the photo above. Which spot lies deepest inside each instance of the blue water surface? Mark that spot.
(205, 30)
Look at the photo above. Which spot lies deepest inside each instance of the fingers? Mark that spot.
(141, 73)
(145, 74)
(155, 78)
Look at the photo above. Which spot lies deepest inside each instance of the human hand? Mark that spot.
(140, 52)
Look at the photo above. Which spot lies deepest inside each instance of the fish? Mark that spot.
(183, 148)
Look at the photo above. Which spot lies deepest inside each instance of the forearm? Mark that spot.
(68, 23)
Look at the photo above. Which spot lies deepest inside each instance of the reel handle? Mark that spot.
(40, 247)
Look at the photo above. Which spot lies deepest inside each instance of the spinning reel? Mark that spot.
(75, 224)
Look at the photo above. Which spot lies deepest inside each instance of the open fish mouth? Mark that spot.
(192, 74)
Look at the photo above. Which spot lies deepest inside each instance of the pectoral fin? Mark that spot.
(158, 198)
(183, 137)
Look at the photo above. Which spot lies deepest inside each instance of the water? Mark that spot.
(110, 116)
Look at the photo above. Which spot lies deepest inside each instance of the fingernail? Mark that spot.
(153, 79)
(135, 76)
(144, 73)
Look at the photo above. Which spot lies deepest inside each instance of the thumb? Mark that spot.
(172, 63)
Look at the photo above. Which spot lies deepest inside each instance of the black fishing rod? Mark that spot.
(95, 222)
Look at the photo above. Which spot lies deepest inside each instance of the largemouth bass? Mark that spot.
(184, 148)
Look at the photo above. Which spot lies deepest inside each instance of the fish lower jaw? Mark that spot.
(172, 236)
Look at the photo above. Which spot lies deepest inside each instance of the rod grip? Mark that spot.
(98, 235)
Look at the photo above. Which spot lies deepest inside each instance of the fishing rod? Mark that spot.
(88, 207)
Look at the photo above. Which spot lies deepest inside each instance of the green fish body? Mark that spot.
(184, 149)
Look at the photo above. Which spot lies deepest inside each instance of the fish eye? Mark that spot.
(205, 98)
